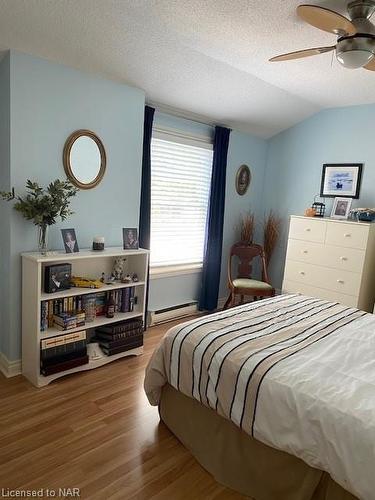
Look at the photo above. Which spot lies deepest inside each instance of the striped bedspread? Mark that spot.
(244, 361)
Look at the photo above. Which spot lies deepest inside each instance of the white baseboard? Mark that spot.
(10, 368)
(169, 314)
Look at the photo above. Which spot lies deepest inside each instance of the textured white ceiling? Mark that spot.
(207, 57)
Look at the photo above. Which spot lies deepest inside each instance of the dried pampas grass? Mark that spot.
(272, 225)
(247, 228)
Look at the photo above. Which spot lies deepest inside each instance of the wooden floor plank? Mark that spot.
(96, 431)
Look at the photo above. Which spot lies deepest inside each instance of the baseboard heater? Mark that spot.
(171, 313)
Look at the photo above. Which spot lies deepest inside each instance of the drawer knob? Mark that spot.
(305, 251)
(347, 235)
(343, 258)
(308, 229)
(302, 272)
(341, 282)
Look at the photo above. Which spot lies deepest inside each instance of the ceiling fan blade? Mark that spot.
(371, 65)
(298, 54)
(326, 20)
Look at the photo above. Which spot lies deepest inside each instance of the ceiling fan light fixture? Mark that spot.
(354, 59)
(355, 52)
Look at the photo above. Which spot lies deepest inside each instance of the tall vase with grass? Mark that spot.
(247, 228)
(43, 206)
(271, 232)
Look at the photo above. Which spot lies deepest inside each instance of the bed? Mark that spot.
(275, 398)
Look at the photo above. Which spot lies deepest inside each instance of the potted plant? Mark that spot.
(43, 206)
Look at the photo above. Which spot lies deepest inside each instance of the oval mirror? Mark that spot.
(243, 179)
(84, 159)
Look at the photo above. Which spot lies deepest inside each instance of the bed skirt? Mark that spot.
(240, 462)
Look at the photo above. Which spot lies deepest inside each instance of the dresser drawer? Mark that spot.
(347, 235)
(323, 277)
(308, 229)
(320, 293)
(347, 259)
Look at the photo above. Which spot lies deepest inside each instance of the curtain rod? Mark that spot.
(186, 115)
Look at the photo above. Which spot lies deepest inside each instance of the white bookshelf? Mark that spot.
(86, 263)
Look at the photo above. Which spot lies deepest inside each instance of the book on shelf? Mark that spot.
(126, 347)
(127, 341)
(100, 303)
(63, 352)
(122, 326)
(67, 321)
(64, 365)
(62, 344)
(118, 336)
(53, 309)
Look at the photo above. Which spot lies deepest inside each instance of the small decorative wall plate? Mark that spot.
(243, 179)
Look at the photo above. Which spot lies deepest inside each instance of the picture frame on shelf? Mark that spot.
(341, 208)
(130, 238)
(70, 240)
(341, 179)
(57, 277)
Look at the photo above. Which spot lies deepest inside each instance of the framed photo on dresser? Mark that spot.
(341, 208)
(341, 179)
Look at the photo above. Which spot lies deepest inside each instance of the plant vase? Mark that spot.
(43, 239)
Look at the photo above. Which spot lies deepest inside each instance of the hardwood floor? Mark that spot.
(97, 432)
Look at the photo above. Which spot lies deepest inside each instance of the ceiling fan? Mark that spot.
(355, 47)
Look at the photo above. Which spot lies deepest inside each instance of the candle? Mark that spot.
(98, 243)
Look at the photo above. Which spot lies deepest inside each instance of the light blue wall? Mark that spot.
(246, 149)
(4, 208)
(242, 149)
(175, 290)
(49, 102)
(295, 160)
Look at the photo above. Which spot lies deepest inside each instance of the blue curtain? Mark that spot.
(215, 221)
(145, 209)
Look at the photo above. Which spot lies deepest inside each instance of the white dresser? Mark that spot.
(331, 259)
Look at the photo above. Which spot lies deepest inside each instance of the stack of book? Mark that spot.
(63, 352)
(67, 321)
(50, 308)
(125, 300)
(120, 337)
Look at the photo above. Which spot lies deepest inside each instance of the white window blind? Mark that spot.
(180, 188)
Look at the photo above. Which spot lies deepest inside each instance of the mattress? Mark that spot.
(240, 462)
(296, 373)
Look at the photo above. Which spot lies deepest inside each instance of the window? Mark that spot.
(180, 189)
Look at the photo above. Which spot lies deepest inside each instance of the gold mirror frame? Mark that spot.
(240, 187)
(66, 158)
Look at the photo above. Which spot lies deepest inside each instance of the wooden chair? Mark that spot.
(243, 284)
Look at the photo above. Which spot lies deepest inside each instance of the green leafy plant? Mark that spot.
(44, 205)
